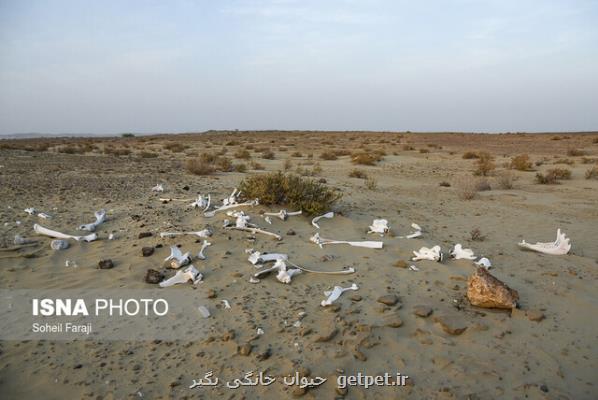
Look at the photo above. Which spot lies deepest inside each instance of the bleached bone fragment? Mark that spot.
(413, 268)
(33, 211)
(111, 236)
(226, 304)
(20, 240)
(204, 245)
(59, 235)
(259, 331)
(328, 215)
(100, 217)
(30, 211)
(268, 220)
(252, 203)
(433, 254)
(189, 274)
(204, 311)
(70, 263)
(284, 214)
(204, 233)
(335, 293)
(258, 258)
(43, 215)
(416, 234)
(253, 280)
(242, 224)
(484, 262)
(176, 258)
(158, 188)
(459, 253)
(559, 247)
(59, 244)
(379, 226)
(232, 199)
(320, 241)
(285, 275)
(349, 270)
(202, 202)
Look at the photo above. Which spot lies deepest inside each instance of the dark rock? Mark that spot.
(484, 290)
(186, 187)
(147, 251)
(291, 232)
(389, 300)
(422, 311)
(106, 264)
(264, 355)
(153, 276)
(144, 235)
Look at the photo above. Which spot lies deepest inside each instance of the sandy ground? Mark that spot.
(500, 355)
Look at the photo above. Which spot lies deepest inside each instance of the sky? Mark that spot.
(109, 67)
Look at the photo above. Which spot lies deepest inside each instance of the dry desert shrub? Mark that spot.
(175, 147)
(424, 151)
(466, 188)
(148, 154)
(243, 154)
(256, 166)
(521, 163)
(408, 147)
(575, 153)
(482, 185)
(592, 173)
(116, 152)
(552, 176)
(565, 161)
(268, 155)
(366, 158)
(297, 154)
(199, 166)
(288, 164)
(476, 235)
(444, 184)
(70, 149)
(588, 160)
(241, 167)
(595, 140)
(470, 155)
(505, 180)
(328, 155)
(358, 173)
(294, 191)
(371, 183)
(484, 164)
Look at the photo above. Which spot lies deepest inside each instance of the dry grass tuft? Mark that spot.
(470, 155)
(592, 173)
(365, 158)
(506, 180)
(521, 163)
(358, 173)
(575, 153)
(371, 183)
(552, 176)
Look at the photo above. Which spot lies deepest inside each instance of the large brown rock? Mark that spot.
(484, 290)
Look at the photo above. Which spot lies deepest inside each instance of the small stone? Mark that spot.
(327, 336)
(535, 315)
(105, 264)
(389, 299)
(211, 294)
(144, 235)
(264, 355)
(291, 232)
(147, 251)
(78, 366)
(355, 297)
(358, 354)
(401, 264)
(305, 331)
(228, 335)
(186, 187)
(153, 276)
(451, 325)
(544, 388)
(394, 321)
(422, 311)
(484, 290)
(245, 349)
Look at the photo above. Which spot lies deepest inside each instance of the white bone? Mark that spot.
(433, 254)
(158, 188)
(177, 258)
(189, 274)
(416, 234)
(316, 219)
(284, 275)
(334, 294)
(459, 253)
(201, 255)
(253, 280)
(204, 233)
(70, 263)
(349, 270)
(268, 220)
(59, 244)
(100, 217)
(202, 202)
(226, 304)
(20, 240)
(59, 235)
(204, 311)
(559, 247)
(258, 258)
(254, 202)
(31, 211)
(379, 226)
(413, 268)
(43, 215)
(484, 262)
(111, 236)
(232, 199)
(368, 244)
(260, 331)
(241, 224)
(284, 214)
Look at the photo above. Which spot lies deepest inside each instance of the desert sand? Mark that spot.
(545, 349)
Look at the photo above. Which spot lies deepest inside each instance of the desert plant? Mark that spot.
(484, 164)
(424, 151)
(224, 164)
(592, 173)
(552, 176)
(199, 166)
(328, 155)
(175, 147)
(575, 153)
(469, 155)
(364, 158)
(521, 163)
(296, 154)
(288, 164)
(476, 235)
(242, 154)
(268, 155)
(408, 147)
(482, 185)
(505, 180)
(148, 154)
(466, 188)
(358, 173)
(444, 184)
(371, 183)
(240, 167)
(256, 165)
(294, 191)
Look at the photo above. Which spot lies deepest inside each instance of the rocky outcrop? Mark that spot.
(484, 290)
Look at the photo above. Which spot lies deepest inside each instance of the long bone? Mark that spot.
(347, 271)
(284, 274)
(314, 221)
(433, 254)
(202, 202)
(379, 226)
(59, 235)
(177, 258)
(242, 224)
(368, 244)
(335, 293)
(258, 258)
(284, 214)
(100, 217)
(559, 247)
(417, 233)
(459, 253)
(204, 233)
(252, 203)
(201, 255)
(189, 274)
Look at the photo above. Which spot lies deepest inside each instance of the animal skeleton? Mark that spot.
(202, 202)
(177, 258)
(158, 188)
(484, 262)
(284, 214)
(335, 293)
(33, 211)
(59, 235)
(59, 244)
(369, 244)
(314, 221)
(242, 224)
(433, 254)
(204, 233)
(379, 226)
(459, 253)
(254, 202)
(201, 255)
(258, 258)
(189, 274)
(417, 233)
(100, 217)
(559, 247)
(284, 275)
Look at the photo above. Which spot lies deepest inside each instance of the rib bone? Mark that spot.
(59, 235)
(316, 219)
(459, 253)
(177, 258)
(284, 214)
(368, 244)
(347, 271)
(100, 217)
(335, 294)
(379, 226)
(189, 274)
(433, 254)
(559, 247)
(204, 233)
(201, 255)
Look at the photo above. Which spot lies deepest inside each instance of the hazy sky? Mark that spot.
(172, 66)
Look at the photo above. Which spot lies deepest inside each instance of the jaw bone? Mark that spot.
(158, 188)
(379, 226)
(189, 274)
(204, 233)
(284, 214)
(177, 258)
(368, 244)
(559, 247)
(417, 233)
(202, 202)
(100, 217)
(258, 258)
(433, 254)
(201, 255)
(335, 294)
(314, 221)
(59, 235)
(459, 253)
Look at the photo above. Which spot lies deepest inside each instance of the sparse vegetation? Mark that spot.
(371, 183)
(243, 154)
(482, 185)
(424, 151)
(117, 151)
(268, 155)
(466, 188)
(575, 153)
(328, 155)
(470, 155)
(444, 184)
(199, 166)
(256, 166)
(364, 158)
(175, 147)
(408, 147)
(358, 173)
(592, 173)
(505, 180)
(552, 176)
(148, 154)
(291, 190)
(521, 163)
(288, 164)
(484, 164)
(476, 235)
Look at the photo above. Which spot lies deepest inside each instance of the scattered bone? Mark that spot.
(459, 253)
(33, 211)
(368, 244)
(484, 290)
(284, 275)
(59, 235)
(231, 202)
(59, 244)
(20, 240)
(379, 226)
(258, 258)
(413, 268)
(242, 224)
(314, 221)
(189, 274)
(347, 271)
(484, 262)
(158, 188)
(226, 304)
(204, 311)
(560, 246)
(70, 263)
(202, 202)
(336, 293)
(284, 214)
(260, 331)
(253, 280)
(201, 255)
(433, 254)
(177, 258)
(111, 236)
(204, 233)
(268, 220)
(100, 217)
(416, 234)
